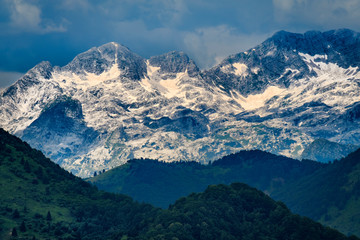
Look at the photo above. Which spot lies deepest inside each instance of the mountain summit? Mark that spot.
(114, 105)
(101, 59)
(281, 60)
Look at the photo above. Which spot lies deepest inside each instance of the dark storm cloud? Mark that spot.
(319, 15)
(207, 30)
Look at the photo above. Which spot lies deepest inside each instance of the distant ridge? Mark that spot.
(330, 195)
(323, 150)
(141, 178)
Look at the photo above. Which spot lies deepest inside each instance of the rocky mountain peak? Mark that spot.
(100, 59)
(279, 61)
(174, 62)
(323, 150)
(341, 46)
(44, 68)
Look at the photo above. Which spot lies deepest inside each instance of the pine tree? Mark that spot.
(48, 216)
(22, 227)
(14, 232)
(16, 214)
(39, 173)
(27, 166)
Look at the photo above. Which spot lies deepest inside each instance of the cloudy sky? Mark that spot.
(207, 30)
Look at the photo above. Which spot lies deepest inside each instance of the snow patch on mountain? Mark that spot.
(238, 69)
(253, 102)
(255, 70)
(277, 97)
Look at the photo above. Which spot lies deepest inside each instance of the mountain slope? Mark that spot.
(330, 195)
(43, 201)
(279, 97)
(284, 58)
(140, 179)
(233, 212)
(323, 150)
(61, 124)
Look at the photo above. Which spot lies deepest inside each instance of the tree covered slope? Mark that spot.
(234, 212)
(161, 183)
(40, 200)
(330, 195)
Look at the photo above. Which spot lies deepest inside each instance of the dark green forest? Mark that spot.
(328, 193)
(34, 188)
(140, 178)
(39, 200)
(234, 212)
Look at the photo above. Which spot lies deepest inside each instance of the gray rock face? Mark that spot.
(184, 121)
(277, 58)
(43, 69)
(353, 113)
(175, 62)
(98, 60)
(323, 150)
(60, 124)
(341, 46)
(110, 105)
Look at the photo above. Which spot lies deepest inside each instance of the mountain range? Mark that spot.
(109, 105)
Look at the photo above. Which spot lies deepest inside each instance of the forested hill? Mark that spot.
(330, 195)
(39, 200)
(161, 183)
(234, 212)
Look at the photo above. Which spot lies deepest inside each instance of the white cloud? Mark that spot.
(209, 46)
(136, 33)
(173, 11)
(284, 5)
(26, 17)
(72, 5)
